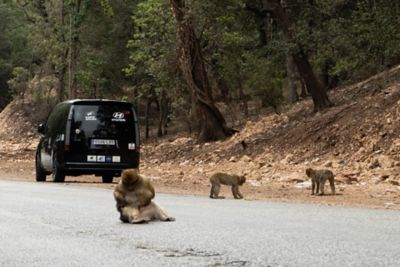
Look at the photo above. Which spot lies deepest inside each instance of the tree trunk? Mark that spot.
(291, 76)
(62, 69)
(315, 88)
(75, 22)
(72, 66)
(147, 115)
(163, 114)
(242, 96)
(212, 123)
(94, 89)
(303, 93)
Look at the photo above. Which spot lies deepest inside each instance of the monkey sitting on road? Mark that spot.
(318, 178)
(134, 194)
(134, 191)
(222, 178)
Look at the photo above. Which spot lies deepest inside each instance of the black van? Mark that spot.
(94, 136)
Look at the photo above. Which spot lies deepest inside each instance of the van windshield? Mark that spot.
(108, 120)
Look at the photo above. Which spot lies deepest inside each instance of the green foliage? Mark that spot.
(132, 44)
(351, 40)
(153, 58)
(14, 46)
(264, 81)
(19, 81)
(108, 9)
(103, 49)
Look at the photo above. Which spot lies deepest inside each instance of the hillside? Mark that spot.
(358, 139)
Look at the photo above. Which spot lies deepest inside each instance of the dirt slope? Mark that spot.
(358, 139)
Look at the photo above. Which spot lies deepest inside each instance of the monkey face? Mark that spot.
(242, 180)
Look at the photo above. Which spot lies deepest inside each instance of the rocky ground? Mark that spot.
(358, 139)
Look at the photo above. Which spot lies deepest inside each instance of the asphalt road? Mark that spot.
(46, 224)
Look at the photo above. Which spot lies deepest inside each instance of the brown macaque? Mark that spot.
(222, 178)
(147, 213)
(134, 191)
(318, 179)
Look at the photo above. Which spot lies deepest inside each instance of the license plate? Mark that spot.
(106, 142)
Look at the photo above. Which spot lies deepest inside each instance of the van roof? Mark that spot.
(94, 101)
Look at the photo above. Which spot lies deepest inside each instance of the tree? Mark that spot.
(317, 91)
(61, 67)
(212, 125)
(15, 49)
(152, 62)
(77, 11)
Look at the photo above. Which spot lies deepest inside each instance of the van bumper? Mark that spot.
(78, 168)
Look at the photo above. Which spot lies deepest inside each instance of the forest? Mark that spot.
(184, 56)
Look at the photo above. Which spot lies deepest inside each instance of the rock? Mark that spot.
(340, 181)
(288, 159)
(328, 164)
(245, 158)
(383, 177)
(305, 184)
(375, 196)
(350, 177)
(374, 164)
(385, 161)
(253, 183)
(390, 191)
(389, 204)
(316, 160)
(295, 180)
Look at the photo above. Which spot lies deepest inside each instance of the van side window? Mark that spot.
(57, 121)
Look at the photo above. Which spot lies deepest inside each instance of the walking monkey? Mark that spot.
(222, 178)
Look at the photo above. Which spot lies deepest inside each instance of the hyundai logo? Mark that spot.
(118, 115)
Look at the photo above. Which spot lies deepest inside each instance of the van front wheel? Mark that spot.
(58, 173)
(107, 179)
(40, 173)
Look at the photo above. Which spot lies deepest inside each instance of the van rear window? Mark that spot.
(108, 120)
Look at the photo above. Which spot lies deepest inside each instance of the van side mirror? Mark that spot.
(41, 128)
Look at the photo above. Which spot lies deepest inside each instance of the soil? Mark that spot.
(358, 139)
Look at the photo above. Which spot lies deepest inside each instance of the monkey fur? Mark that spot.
(147, 213)
(222, 178)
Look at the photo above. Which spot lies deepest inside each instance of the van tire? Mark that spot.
(107, 179)
(58, 173)
(40, 173)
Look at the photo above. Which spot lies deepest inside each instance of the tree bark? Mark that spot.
(74, 28)
(291, 75)
(149, 101)
(62, 69)
(163, 114)
(315, 88)
(242, 96)
(212, 123)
